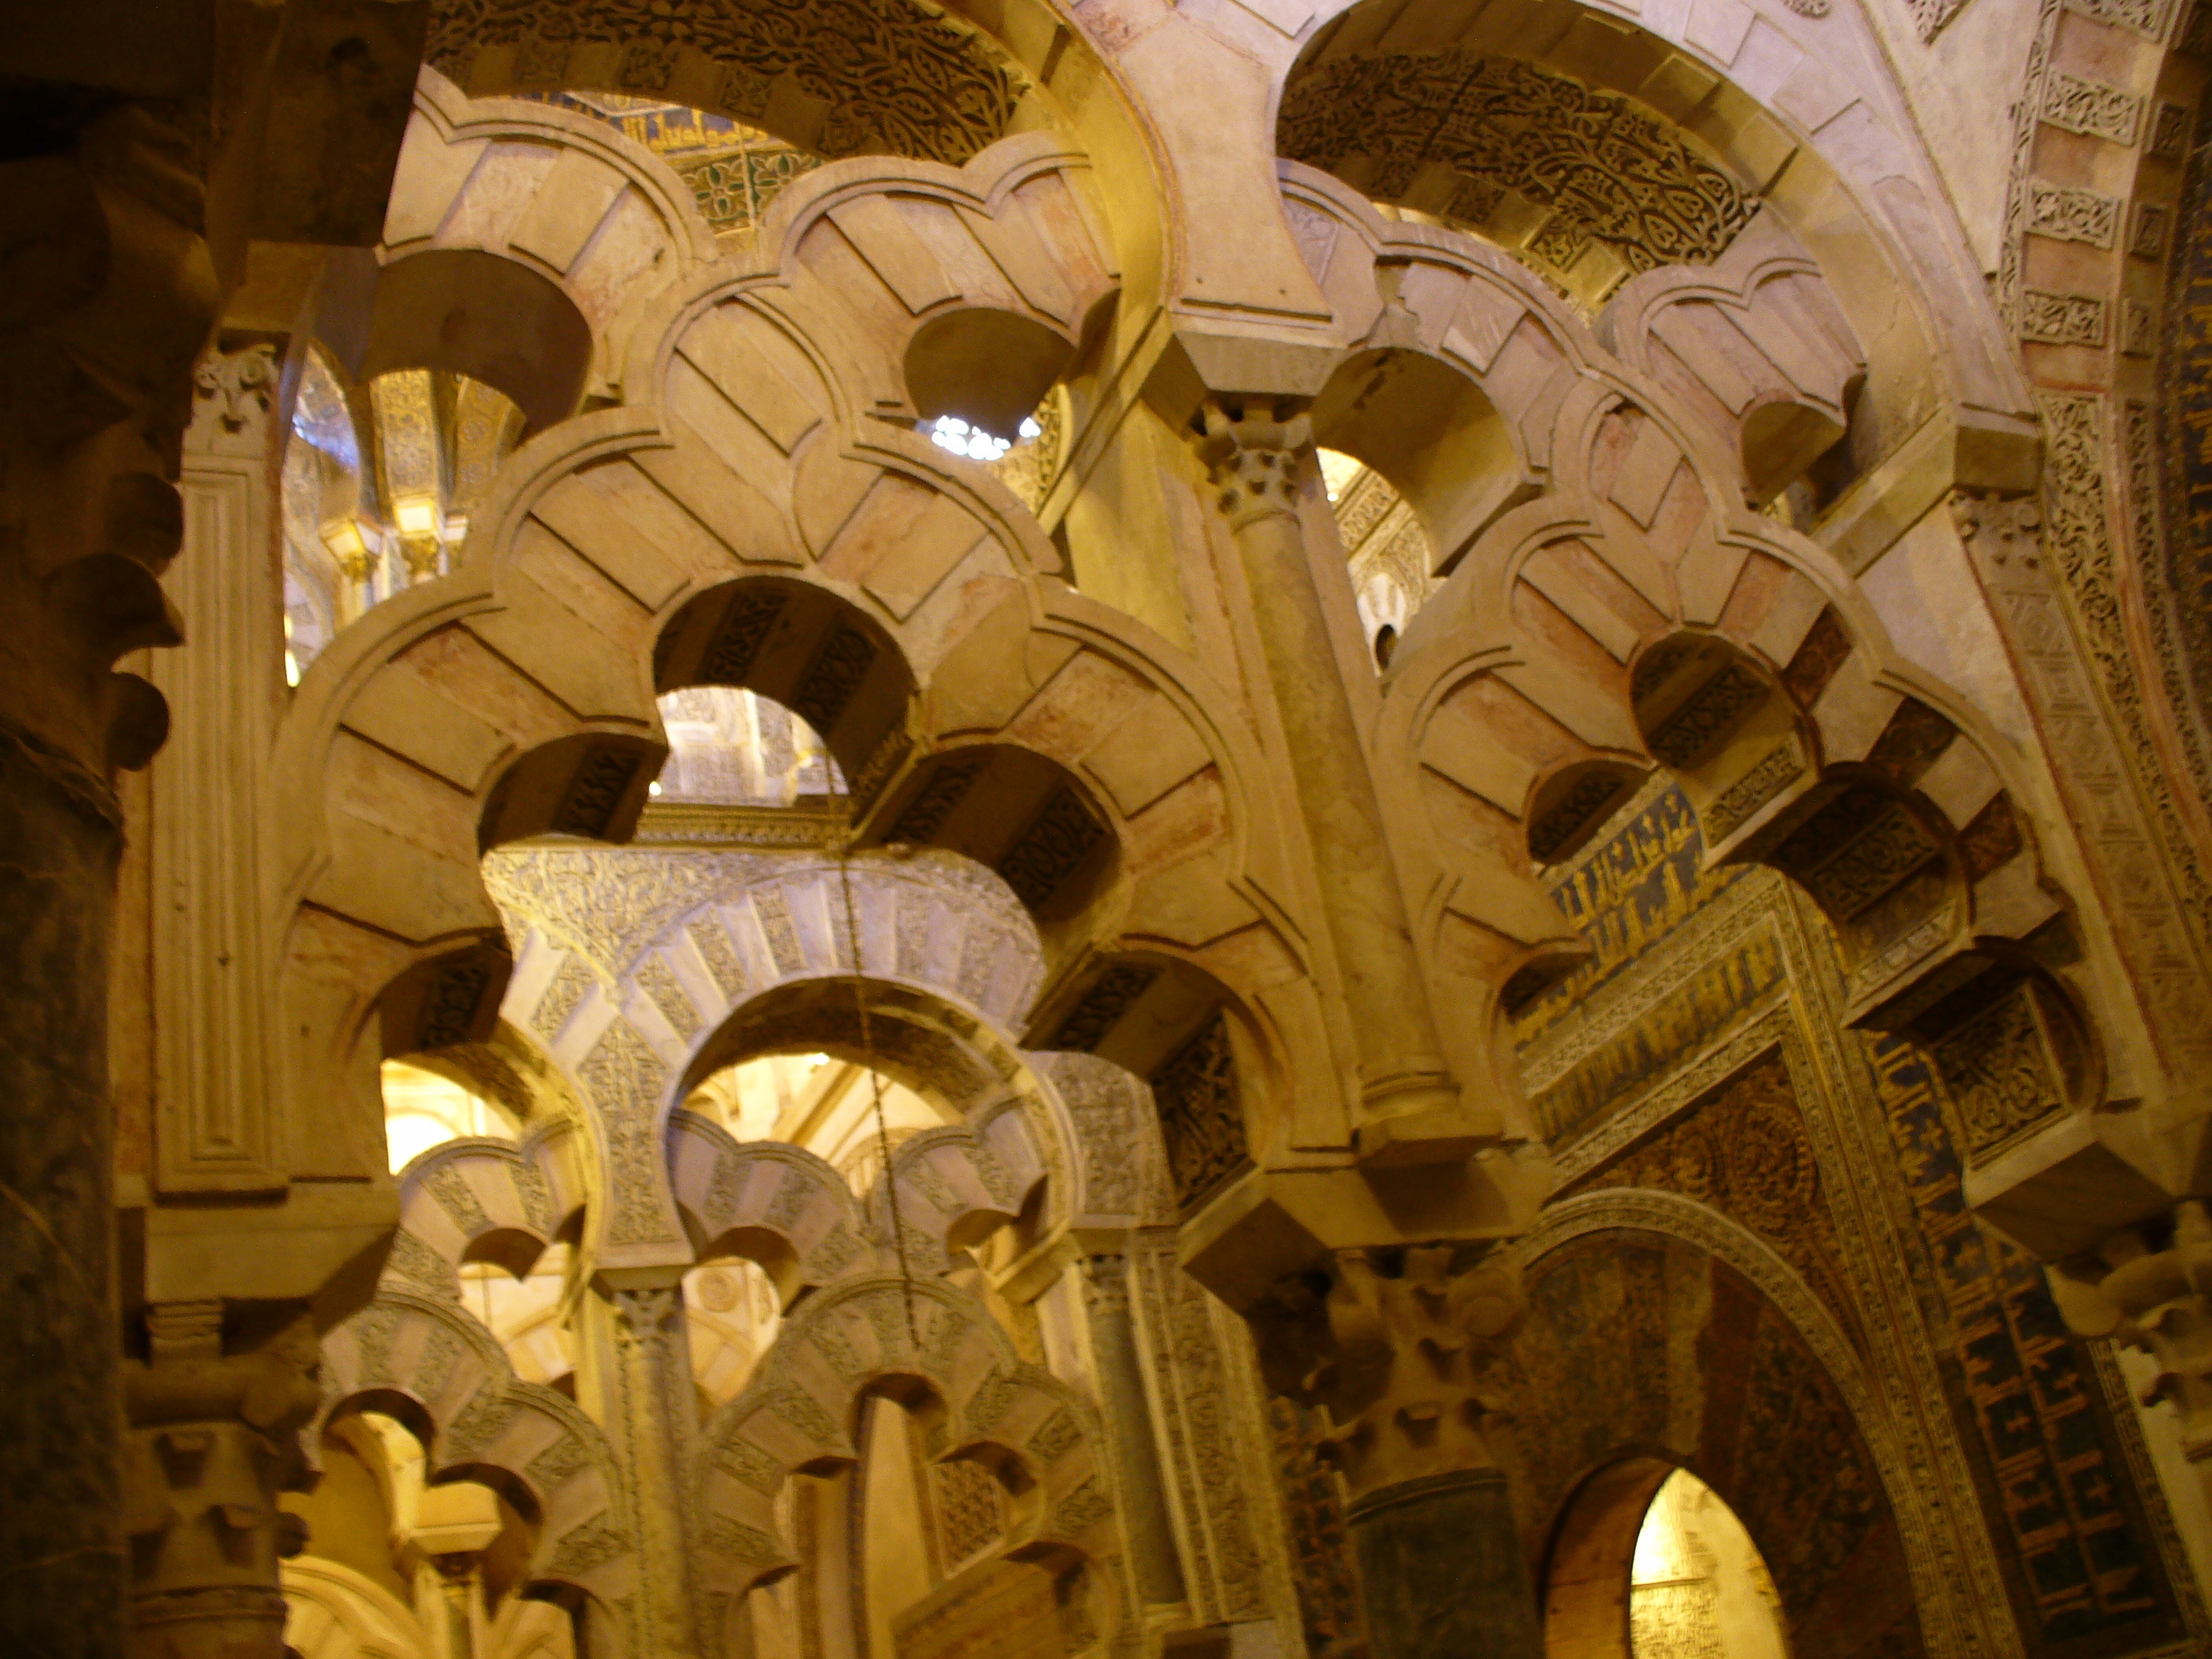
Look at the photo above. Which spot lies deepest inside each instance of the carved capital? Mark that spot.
(231, 395)
(1106, 1286)
(1253, 461)
(2003, 533)
(1403, 1349)
(214, 1438)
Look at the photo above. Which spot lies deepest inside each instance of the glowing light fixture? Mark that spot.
(350, 548)
(415, 515)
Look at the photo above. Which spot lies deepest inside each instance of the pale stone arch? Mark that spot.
(1537, 673)
(514, 696)
(331, 1612)
(489, 1201)
(415, 1356)
(780, 1206)
(1954, 1599)
(1760, 92)
(571, 199)
(1036, 1433)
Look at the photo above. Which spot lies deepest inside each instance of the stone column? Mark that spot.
(1121, 1384)
(635, 1376)
(1412, 1109)
(455, 1525)
(1405, 1353)
(215, 1436)
(110, 293)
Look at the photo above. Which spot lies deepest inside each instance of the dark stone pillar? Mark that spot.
(1440, 1564)
(62, 1586)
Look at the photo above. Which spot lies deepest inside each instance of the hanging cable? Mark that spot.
(875, 1074)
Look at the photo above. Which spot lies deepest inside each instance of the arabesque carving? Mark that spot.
(897, 78)
(1608, 170)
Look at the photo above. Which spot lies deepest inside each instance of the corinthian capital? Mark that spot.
(1253, 460)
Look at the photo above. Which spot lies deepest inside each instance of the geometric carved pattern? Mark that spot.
(626, 1078)
(1773, 772)
(1712, 711)
(1058, 839)
(970, 1511)
(1607, 170)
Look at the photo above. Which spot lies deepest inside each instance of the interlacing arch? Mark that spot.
(417, 1356)
(1621, 605)
(570, 198)
(639, 547)
(929, 1346)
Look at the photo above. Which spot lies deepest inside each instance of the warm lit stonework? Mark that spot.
(1105, 829)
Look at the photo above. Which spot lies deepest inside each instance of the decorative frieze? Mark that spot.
(2066, 215)
(2147, 237)
(899, 76)
(2091, 108)
(1201, 1113)
(2061, 318)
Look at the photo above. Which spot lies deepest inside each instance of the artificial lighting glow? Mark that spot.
(950, 432)
(652, 788)
(1030, 428)
(291, 664)
(347, 544)
(415, 515)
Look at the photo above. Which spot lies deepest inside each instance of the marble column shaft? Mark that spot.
(1120, 1381)
(61, 1548)
(1402, 1074)
(637, 1384)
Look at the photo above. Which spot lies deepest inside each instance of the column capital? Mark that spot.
(1254, 458)
(1403, 1351)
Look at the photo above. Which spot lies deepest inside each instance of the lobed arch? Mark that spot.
(925, 84)
(750, 961)
(481, 1200)
(415, 1356)
(1760, 95)
(1516, 687)
(513, 696)
(983, 1404)
(572, 201)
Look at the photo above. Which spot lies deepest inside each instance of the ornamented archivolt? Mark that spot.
(1608, 171)
(890, 76)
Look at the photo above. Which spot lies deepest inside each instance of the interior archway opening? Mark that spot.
(1650, 1562)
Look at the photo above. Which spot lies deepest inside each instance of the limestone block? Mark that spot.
(750, 520)
(731, 346)
(592, 526)
(566, 210)
(562, 650)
